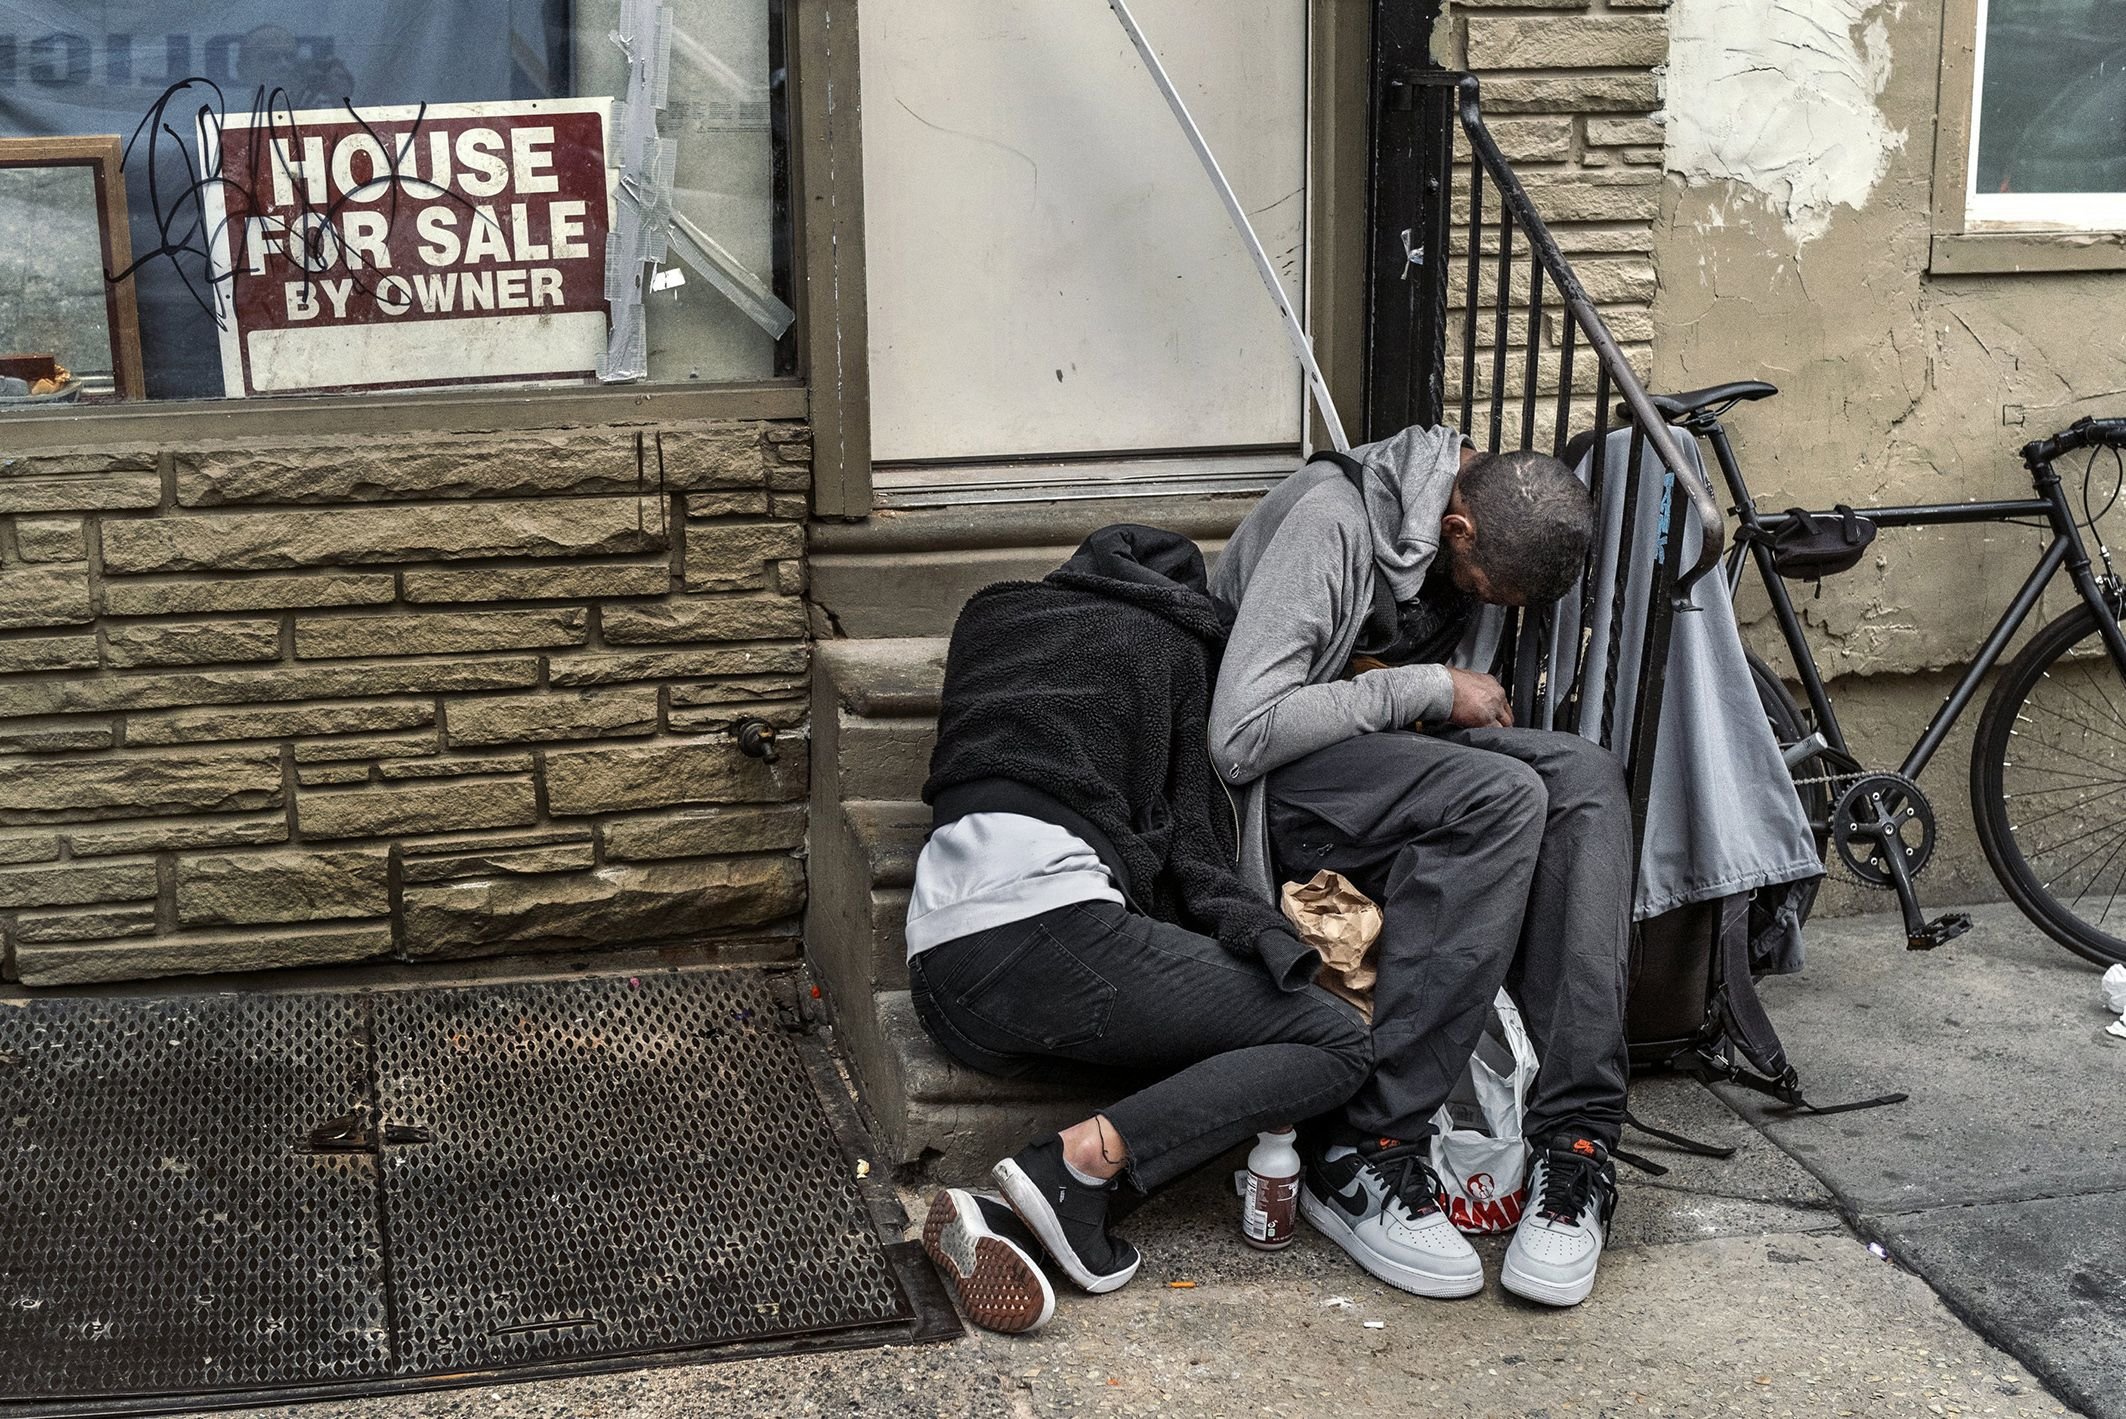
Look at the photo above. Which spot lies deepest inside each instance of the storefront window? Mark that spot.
(354, 195)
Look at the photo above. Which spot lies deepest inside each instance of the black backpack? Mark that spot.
(1693, 1006)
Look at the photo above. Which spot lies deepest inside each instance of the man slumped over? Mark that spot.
(1498, 855)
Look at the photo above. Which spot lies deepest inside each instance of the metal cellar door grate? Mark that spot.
(161, 1226)
(255, 1197)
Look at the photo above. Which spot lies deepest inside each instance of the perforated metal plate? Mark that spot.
(534, 1178)
(159, 1229)
(619, 1165)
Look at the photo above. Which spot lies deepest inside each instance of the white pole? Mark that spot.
(1302, 346)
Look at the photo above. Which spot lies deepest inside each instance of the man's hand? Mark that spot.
(1479, 701)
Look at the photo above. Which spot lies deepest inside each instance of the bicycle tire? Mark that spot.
(1790, 725)
(2035, 890)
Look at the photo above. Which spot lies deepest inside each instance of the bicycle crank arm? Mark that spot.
(1920, 934)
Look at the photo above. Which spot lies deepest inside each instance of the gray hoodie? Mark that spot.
(1301, 568)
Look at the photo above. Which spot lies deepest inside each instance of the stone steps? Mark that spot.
(884, 593)
(875, 709)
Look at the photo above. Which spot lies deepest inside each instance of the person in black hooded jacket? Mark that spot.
(1077, 904)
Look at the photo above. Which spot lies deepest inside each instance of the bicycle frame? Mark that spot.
(2065, 549)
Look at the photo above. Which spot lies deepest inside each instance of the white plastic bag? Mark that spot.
(2115, 997)
(1483, 1173)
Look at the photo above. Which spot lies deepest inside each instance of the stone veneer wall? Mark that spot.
(418, 698)
(1571, 92)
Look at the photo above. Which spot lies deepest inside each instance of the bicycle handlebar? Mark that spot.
(2082, 433)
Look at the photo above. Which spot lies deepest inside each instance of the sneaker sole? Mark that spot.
(1026, 1199)
(1403, 1278)
(1549, 1293)
(998, 1284)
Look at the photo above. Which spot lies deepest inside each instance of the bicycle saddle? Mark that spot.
(1677, 406)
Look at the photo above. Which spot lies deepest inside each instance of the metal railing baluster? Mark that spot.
(1470, 293)
(1532, 386)
(1502, 299)
(1565, 344)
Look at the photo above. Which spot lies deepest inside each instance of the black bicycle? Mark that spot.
(2048, 767)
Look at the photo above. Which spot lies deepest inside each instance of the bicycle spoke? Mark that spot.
(2031, 855)
(2063, 787)
(2028, 767)
(2112, 900)
(2069, 808)
(2100, 709)
(2078, 723)
(2098, 874)
(2057, 876)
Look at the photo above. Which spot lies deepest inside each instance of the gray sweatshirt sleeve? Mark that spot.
(1265, 713)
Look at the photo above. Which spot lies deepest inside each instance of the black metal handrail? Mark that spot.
(1412, 271)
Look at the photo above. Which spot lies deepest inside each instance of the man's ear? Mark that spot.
(1458, 529)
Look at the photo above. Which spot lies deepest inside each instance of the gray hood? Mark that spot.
(1408, 481)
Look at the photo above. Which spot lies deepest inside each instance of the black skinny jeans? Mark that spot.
(1097, 985)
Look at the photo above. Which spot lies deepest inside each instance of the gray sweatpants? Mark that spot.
(1499, 856)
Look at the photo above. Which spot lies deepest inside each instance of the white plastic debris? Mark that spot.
(1376, 1325)
(863, 1167)
(1337, 1303)
(2115, 997)
(1880, 1252)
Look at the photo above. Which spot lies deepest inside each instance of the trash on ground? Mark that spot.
(1340, 1303)
(1376, 1325)
(863, 1168)
(1879, 1250)
(1180, 1285)
(2115, 997)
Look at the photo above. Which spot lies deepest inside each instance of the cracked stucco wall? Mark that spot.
(1793, 247)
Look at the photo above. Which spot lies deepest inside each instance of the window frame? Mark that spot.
(811, 35)
(1974, 243)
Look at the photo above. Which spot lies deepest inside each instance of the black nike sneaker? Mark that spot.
(1069, 1217)
(1379, 1201)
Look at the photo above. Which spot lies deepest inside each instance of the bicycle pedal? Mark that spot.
(1942, 929)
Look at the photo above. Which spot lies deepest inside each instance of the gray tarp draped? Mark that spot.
(1723, 817)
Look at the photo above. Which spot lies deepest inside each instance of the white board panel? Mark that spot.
(1049, 271)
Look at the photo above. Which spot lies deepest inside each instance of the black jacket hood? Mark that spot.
(1158, 570)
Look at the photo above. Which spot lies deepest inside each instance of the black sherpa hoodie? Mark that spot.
(1081, 699)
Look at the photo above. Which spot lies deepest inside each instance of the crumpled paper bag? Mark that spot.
(2114, 996)
(1343, 924)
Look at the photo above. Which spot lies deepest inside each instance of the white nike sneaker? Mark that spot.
(1380, 1203)
(1572, 1190)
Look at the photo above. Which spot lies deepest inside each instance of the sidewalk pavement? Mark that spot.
(1739, 1287)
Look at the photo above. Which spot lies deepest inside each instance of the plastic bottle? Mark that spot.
(1269, 1208)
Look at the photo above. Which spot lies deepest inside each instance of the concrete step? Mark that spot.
(889, 836)
(874, 715)
(951, 1123)
(895, 678)
(883, 759)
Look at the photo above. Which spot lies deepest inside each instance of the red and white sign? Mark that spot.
(390, 248)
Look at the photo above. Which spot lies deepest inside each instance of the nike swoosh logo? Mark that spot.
(1351, 1197)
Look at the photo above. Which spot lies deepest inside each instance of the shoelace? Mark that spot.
(1407, 1170)
(1569, 1183)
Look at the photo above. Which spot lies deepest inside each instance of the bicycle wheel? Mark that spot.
(1790, 725)
(2048, 787)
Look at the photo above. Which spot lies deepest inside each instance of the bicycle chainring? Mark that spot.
(1879, 811)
